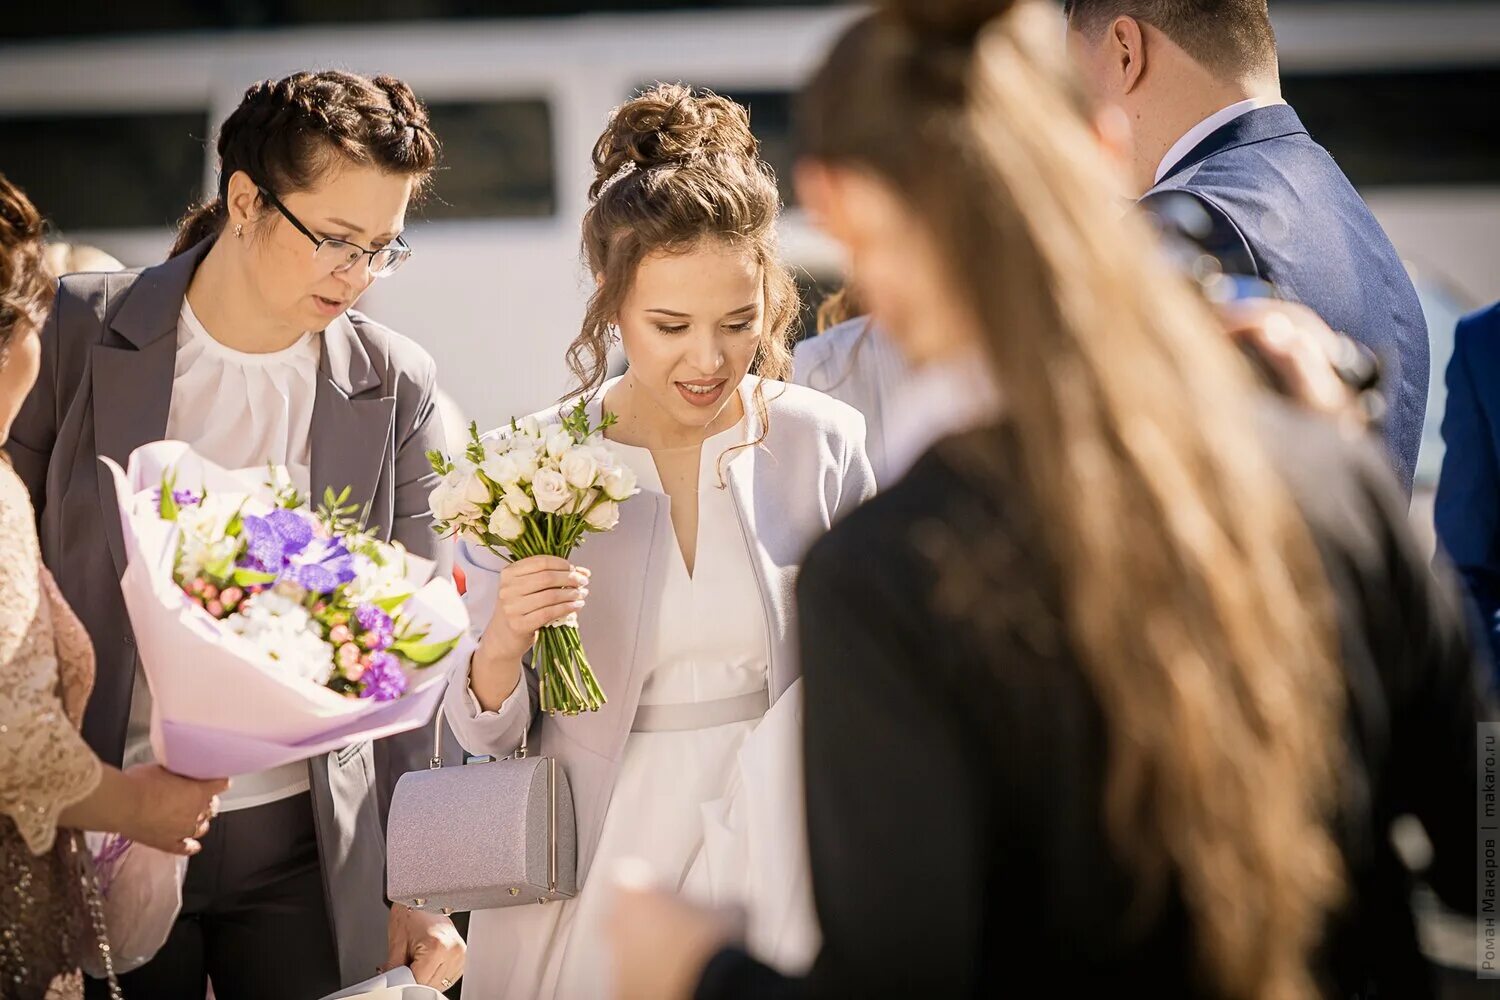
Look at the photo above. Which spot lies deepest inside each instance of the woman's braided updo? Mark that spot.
(287, 133)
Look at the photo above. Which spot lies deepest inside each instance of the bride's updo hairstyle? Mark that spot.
(676, 167)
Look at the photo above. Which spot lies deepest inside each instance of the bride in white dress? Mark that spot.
(686, 606)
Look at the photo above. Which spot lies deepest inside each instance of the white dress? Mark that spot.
(679, 800)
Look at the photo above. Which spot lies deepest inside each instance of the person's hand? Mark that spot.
(427, 943)
(1297, 346)
(661, 943)
(171, 812)
(533, 592)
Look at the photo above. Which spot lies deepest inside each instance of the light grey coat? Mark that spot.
(108, 354)
(856, 362)
(811, 470)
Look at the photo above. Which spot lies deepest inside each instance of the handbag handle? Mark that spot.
(436, 760)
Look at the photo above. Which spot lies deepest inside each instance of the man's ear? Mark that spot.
(1126, 43)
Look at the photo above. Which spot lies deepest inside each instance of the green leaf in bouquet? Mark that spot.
(220, 569)
(423, 654)
(475, 450)
(167, 503)
(340, 516)
(243, 577)
(390, 605)
(286, 494)
(439, 462)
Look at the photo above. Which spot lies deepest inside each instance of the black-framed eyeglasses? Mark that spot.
(340, 255)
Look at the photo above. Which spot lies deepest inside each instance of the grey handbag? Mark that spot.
(483, 835)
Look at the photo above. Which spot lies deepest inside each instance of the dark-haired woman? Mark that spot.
(245, 345)
(1123, 684)
(691, 766)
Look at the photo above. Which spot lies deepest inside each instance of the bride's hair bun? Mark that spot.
(949, 19)
(670, 124)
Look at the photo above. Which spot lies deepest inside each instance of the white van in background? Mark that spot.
(111, 136)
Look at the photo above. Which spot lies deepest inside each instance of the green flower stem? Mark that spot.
(565, 679)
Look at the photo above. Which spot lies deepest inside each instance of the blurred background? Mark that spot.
(108, 110)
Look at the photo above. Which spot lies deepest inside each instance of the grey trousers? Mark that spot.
(253, 915)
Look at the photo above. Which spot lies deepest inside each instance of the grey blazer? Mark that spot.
(856, 362)
(108, 354)
(811, 470)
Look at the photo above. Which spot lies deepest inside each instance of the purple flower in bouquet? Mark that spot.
(272, 539)
(182, 498)
(284, 542)
(320, 566)
(378, 629)
(383, 679)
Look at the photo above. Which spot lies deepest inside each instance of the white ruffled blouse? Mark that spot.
(243, 410)
(239, 411)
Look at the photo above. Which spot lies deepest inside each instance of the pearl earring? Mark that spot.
(239, 230)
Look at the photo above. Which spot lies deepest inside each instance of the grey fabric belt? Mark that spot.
(701, 714)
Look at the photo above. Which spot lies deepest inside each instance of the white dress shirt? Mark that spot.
(239, 411)
(1207, 127)
(939, 399)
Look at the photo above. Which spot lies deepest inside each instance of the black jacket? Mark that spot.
(958, 845)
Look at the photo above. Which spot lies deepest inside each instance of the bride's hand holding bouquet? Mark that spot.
(531, 495)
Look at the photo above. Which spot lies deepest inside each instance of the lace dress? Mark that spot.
(46, 673)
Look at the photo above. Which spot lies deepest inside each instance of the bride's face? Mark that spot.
(691, 325)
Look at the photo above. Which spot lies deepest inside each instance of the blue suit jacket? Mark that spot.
(1468, 495)
(1286, 213)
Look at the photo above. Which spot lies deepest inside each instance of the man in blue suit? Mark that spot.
(1199, 82)
(1468, 494)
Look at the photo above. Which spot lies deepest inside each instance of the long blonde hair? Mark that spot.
(1191, 590)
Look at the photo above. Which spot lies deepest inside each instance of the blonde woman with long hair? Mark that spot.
(1124, 682)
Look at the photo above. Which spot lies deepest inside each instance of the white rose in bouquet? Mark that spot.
(551, 491)
(559, 443)
(502, 469)
(604, 516)
(459, 496)
(584, 502)
(580, 468)
(524, 454)
(518, 500)
(531, 427)
(618, 483)
(505, 524)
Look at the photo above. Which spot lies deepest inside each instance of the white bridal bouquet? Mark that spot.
(532, 490)
(269, 631)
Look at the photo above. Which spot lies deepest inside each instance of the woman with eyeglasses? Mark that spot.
(244, 345)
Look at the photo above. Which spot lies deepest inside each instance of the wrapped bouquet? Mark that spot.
(533, 490)
(271, 631)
